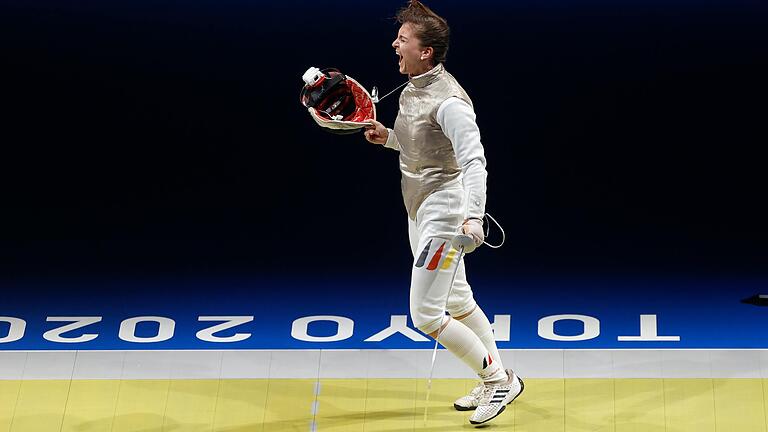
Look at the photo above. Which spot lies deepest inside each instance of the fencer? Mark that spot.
(443, 181)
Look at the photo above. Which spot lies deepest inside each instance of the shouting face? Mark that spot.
(414, 59)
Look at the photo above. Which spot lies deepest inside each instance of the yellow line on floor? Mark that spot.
(9, 394)
(91, 405)
(366, 405)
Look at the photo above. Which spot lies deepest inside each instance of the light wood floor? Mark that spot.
(393, 405)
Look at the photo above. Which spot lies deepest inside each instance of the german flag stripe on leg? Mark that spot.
(423, 257)
(448, 259)
(487, 361)
(436, 258)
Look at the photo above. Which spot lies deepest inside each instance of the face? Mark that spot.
(414, 59)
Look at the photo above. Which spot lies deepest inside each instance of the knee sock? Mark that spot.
(464, 344)
(478, 322)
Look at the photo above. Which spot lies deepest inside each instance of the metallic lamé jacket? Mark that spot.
(427, 158)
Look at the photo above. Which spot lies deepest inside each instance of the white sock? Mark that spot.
(478, 322)
(464, 344)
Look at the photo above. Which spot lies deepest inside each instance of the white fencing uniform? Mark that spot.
(443, 180)
(435, 260)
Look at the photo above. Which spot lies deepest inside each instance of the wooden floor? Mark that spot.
(393, 405)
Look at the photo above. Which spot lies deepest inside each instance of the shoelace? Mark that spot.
(476, 391)
(487, 393)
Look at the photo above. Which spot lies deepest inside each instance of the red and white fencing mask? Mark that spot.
(338, 103)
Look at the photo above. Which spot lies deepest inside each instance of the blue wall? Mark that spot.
(703, 313)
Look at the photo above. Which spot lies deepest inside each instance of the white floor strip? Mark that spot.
(310, 364)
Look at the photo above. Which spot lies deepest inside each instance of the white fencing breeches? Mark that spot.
(434, 260)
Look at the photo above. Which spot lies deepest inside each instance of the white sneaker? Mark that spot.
(470, 401)
(495, 397)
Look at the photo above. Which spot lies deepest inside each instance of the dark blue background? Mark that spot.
(162, 138)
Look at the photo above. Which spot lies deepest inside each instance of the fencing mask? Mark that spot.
(338, 103)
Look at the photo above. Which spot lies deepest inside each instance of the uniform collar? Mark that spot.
(427, 78)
